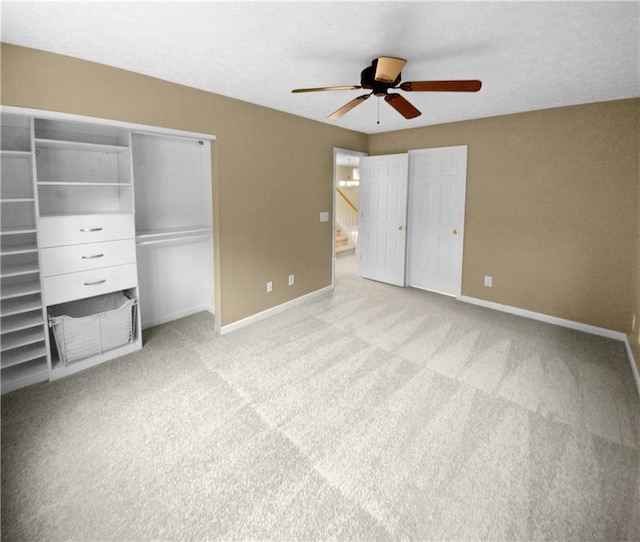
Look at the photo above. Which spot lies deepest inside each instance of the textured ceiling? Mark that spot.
(529, 55)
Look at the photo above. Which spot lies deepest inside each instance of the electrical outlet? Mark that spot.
(269, 286)
(292, 280)
(488, 281)
(633, 323)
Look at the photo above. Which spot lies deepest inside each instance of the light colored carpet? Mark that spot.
(376, 413)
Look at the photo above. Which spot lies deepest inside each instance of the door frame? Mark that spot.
(336, 152)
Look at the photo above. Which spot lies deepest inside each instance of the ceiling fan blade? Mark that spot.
(348, 106)
(472, 85)
(388, 68)
(402, 106)
(351, 87)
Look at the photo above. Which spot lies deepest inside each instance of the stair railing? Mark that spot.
(347, 217)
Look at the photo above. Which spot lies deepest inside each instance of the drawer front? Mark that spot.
(63, 288)
(77, 229)
(74, 258)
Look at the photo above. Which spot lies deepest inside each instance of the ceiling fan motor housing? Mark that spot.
(379, 88)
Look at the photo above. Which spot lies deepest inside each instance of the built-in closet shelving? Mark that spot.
(82, 169)
(93, 208)
(85, 220)
(23, 341)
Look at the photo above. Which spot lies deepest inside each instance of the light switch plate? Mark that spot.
(324, 216)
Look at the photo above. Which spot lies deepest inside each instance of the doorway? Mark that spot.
(346, 197)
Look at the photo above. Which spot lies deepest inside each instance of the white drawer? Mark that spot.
(73, 258)
(63, 288)
(72, 230)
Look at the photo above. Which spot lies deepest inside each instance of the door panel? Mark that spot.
(438, 182)
(383, 214)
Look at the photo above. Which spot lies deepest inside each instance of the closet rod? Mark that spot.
(182, 239)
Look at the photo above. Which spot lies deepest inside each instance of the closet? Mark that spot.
(106, 229)
(412, 218)
(173, 226)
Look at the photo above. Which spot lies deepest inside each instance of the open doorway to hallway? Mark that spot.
(346, 181)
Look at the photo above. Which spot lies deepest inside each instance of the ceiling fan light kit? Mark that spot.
(383, 75)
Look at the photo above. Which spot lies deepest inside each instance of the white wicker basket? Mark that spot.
(92, 326)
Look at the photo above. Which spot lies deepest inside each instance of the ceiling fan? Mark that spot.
(384, 75)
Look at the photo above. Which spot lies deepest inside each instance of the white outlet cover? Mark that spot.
(488, 281)
(292, 279)
(269, 286)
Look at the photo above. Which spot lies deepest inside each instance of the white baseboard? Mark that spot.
(594, 330)
(175, 316)
(632, 360)
(275, 310)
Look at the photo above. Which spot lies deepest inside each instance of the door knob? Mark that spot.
(401, 227)
(456, 231)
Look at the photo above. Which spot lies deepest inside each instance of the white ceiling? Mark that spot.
(529, 55)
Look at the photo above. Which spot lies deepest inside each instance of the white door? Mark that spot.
(438, 179)
(383, 215)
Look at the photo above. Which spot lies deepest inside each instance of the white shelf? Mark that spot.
(17, 200)
(12, 291)
(23, 355)
(28, 373)
(15, 154)
(22, 321)
(16, 270)
(18, 230)
(18, 249)
(79, 146)
(11, 307)
(80, 183)
(92, 213)
(22, 338)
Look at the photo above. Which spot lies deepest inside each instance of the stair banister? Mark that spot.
(347, 217)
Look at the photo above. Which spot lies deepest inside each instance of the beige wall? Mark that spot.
(266, 205)
(552, 196)
(552, 208)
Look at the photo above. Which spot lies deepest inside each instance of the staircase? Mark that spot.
(343, 246)
(346, 224)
